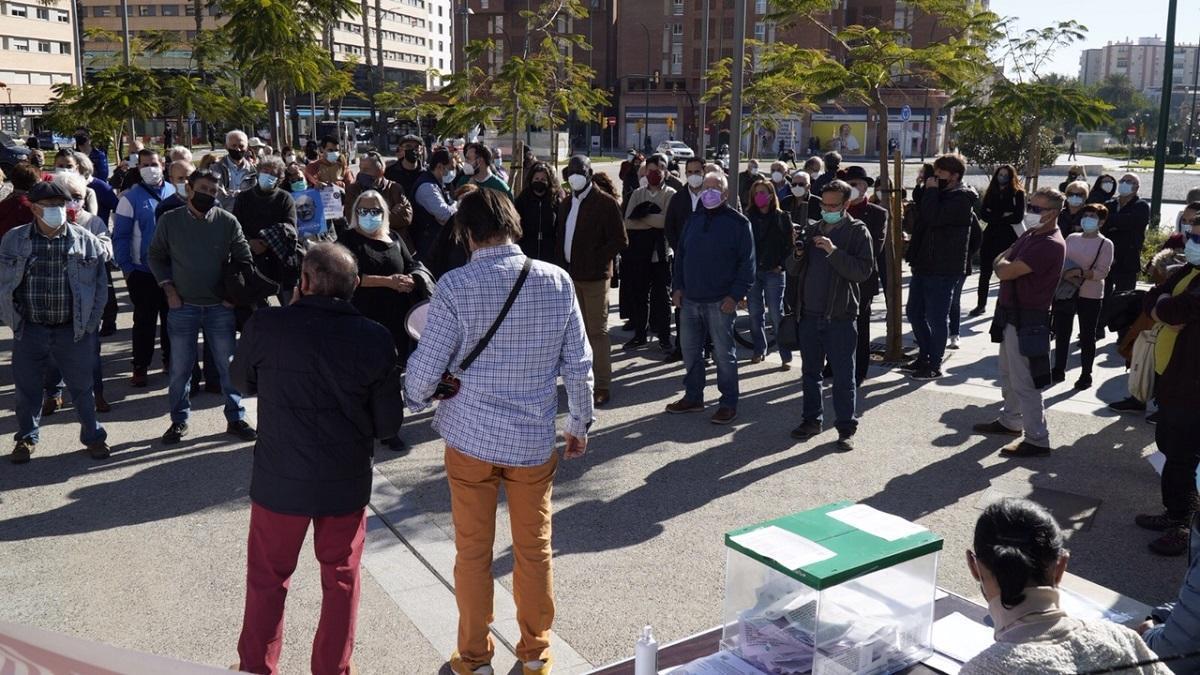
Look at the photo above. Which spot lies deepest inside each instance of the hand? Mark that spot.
(401, 283)
(824, 244)
(323, 184)
(1144, 626)
(677, 298)
(728, 305)
(173, 299)
(227, 304)
(1089, 275)
(575, 446)
(931, 182)
(258, 246)
(1074, 275)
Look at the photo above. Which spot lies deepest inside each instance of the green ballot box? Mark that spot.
(843, 589)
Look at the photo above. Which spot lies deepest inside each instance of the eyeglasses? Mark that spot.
(1033, 208)
(370, 212)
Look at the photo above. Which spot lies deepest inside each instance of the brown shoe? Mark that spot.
(102, 406)
(139, 378)
(537, 667)
(757, 358)
(460, 667)
(600, 397)
(685, 406)
(1174, 542)
(51, 404)
(724, 415)
(995, 427)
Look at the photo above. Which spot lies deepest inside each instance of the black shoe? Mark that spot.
(22, 451)
(665, 345)
(397, 445)
(1174, 542)
(1157, 522)
(1152, 418)
(635, 342)
(1130, 404)
(627, 326)
(978, 311)
(845, 443)
(1058, 375)
(806, 430)
(99, 450)
(1084, 382)
(175, 433)
(915, 365)
(242, 430)
(927, 374)
(108, 329)
(675, 356)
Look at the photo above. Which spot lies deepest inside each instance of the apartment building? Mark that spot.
(1143, 63)
(37, 51)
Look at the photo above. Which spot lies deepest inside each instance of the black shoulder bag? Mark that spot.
(448, 387)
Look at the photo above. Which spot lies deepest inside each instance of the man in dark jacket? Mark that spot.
(830, 268)
(406, 169)
(322, 402)
(432, 206)
(1128, 217)
(714, 269)
(681, 207)
(267, 213)
(832, 160)
(937, 254)
(592, 231)
(875, 217)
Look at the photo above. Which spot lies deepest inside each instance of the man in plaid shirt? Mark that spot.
(500, 427)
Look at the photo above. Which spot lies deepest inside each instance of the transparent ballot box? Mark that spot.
(843, 589)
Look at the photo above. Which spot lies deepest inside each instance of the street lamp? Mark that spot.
(465, 12)
(646, 118)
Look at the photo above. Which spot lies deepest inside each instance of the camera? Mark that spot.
(447, 388)
(801, 234)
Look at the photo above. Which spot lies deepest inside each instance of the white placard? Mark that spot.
(876, 522)
(332, 197)
(786, 548)
(960, 638)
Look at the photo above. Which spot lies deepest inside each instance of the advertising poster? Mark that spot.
(310, 213)
(848, 138)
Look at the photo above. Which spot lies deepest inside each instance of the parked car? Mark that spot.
(676, 150)
(48, 140)
(11, 152)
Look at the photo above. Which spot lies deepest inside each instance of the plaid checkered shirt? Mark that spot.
(504, 413)
(44, 295)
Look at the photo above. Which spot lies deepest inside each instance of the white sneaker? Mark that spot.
(953, 342)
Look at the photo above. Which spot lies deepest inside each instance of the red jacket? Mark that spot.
(14, 211)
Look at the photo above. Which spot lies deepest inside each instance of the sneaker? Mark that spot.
(1157, 522)
(807, 430)
(1130, 404)
(1174, 542)
(1058, 375)
(536, 667)
(1152, 418)
(916, 364)
(51, 404)
(635, 342)
(978, 311)
(1024, 448)
(1084, 382)
(175, 433)
(665, 346)
(995, 427)
(953, 342)
(22, 451)
(242, 430)
(724, 415)
(458, 667)
(600, 398)
(627, 326)
(99, 450)
(102, 406)
(139, 378)
(927, 374)
(845, 443)
(685, 406)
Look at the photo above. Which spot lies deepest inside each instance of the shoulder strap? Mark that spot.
(1097, 258)
(512, 296)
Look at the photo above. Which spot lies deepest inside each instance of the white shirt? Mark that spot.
(572, 216)
(695, 199)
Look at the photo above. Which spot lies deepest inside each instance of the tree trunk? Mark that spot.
(198, 10)
(1035, 158)
(380, 130)
(895, 335)
(370, 72)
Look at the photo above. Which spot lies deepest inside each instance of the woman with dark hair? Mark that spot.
(538, 206)
(1089, 257)
(1103, 190)
(772, 228)
(1003, 209)
(1019, 561)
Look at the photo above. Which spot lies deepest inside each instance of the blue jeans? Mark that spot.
(183, 328)
(929, 298)
(771, 284)
(836, 340)
(956, 306)
(38, 348)
(53, 379)
(702, 319)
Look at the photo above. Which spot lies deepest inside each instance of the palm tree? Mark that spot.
(366, 36)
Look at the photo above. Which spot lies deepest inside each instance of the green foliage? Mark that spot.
(990, 149)
(410, 103)
(1127, 102)
(105, 101)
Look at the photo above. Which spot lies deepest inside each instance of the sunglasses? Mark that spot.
(370, 212)
(1035, 209)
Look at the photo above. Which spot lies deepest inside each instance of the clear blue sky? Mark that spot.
(1107, 20)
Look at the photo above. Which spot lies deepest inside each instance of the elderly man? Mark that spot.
(682, 205)
(779, 180)
(312, 463)
(267, 215)
(592, 232)
(52, 294)
(179, 152)
(177, 173)
(371, 177)
(1029, 272)
(714, 269)
(829, 268)
(190, 248)
(499, 427)
(800, 202)
(235, 171)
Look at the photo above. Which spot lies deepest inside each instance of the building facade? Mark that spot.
(37, 51)
(1143, 63)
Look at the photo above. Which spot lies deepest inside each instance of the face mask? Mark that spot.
(654, 178)
(1003, 179)
(777, 176)
(332, 156)
(761, 199)
(62, 169)
(411, 156)
(943, 183)
(1090, 224)
(1075, 200)
(266, 181)
(831, 217)
(578, 181)
(854, 194)
(695, 181)
(299, 186)
(468, 169)
(133, 159)
(202, 202)
(180, 187)
(365, 180)
(54, 216)
(711, 198)
(288, 159)
(753, 168)
(1033, 221)
(643, 182)
(370, 223)
(799, 190)
(236, 155)
(539, 188)
(1191, 251)
(151, 175)
(449, 177)
(1124, 189)
(73, 208)
(1107, 186)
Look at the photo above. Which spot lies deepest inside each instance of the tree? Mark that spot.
(989, 148)
(103, 104)
(336, 83)
(1118, 91)
(411, 102)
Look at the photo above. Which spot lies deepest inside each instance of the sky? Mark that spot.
(1106, 20)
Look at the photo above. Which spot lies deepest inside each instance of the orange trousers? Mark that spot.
(474, 491)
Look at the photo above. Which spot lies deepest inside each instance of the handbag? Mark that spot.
(448, 387)
(1067, 291)
(788, 337)
(1141, 364)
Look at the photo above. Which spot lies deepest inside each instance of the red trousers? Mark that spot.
(273, 549)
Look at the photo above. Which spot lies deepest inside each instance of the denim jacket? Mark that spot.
(85, 273)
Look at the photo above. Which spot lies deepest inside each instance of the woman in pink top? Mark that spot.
(1089, 257)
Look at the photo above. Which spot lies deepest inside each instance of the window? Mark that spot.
(101, 10)
(677, 30)
(760, 31)
(62, 17)
(483, 4)
(18, 10)
(64, 48)
(677, 10)
(83, 11)
(43, 13)
(19, 45)
(760, 6)
(57, 78)
(128, 9)
(147, 10)
(189, 10)
(39, 78)
(43, 47)
(170, 10)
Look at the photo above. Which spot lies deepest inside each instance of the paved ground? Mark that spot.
(146, 550)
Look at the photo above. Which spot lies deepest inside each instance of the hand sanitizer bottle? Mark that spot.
(645, 660)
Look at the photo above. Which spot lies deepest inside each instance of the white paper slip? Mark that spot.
(721, 663)
(876, 522)
(943, 664)
(788, 549)
(1157, 460)
(960, 638)
(1082, 607)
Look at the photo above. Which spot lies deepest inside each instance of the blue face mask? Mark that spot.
(1090, 224)
(370, 223)
(832, 217)
(299, 186)
(1124, 189)
(1191, 251)
(1075, 200)
(266, 181)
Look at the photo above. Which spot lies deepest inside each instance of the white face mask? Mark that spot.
(63, 169)
(578, 182)
(1124, 189)
(180, 187)
(449, 177)
(468, 169)
(54, 216)
(1075, 200)
(695, 181)
(332, 156)
(854, 194)
(151, 175)
(777, 176)
(799, 190)
(643, 182)
(1033, 221)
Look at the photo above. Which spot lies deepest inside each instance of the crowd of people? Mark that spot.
(515, 275)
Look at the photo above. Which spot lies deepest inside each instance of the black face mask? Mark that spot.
(410, 156)
(237, 155)
(202, 202)
(539, 188)
(943, 183)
